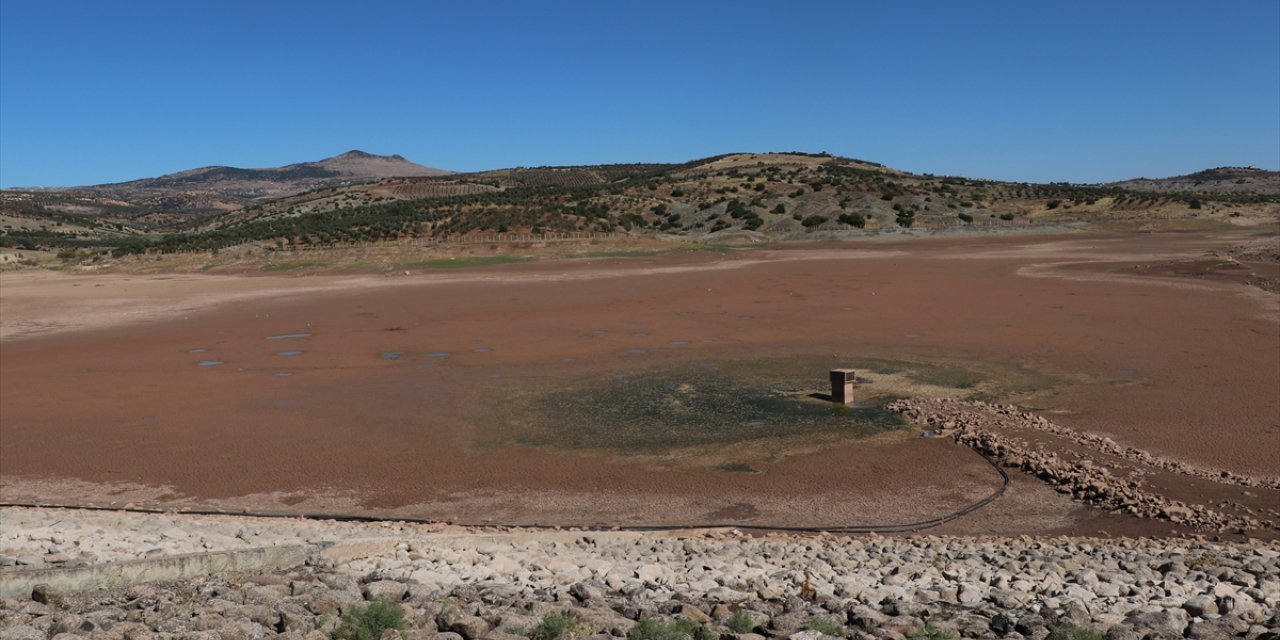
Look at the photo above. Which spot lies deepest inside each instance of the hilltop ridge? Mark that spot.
(352, 166)
(735, 198)
(1217, 179)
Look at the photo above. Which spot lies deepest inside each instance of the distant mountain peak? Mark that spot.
(356, 156)
(249, 185)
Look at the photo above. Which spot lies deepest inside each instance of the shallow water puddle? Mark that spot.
(209, 363)
(288, 353)
(437, 354)
(290, 336)
(392, 355)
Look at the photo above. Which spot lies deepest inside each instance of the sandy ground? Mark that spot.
(103, 399)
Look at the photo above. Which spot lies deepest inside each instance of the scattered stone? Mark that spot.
(389, 590)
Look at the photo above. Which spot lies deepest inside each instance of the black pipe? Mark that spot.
(870, 528)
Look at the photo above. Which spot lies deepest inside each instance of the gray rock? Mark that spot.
(1199, 605)
(1217, 629)
(444, 635)
(588, 590)
(1170, 622)
(808, 634)
(470, 627)
(905, 626)
(22, 633)
(1121, 632)
(1003, 623)
(725, 594)
(604, 620)
(389, 590)
(651, 573)
(971, 595)
(788, 623)
(497, 634)
(45, 594)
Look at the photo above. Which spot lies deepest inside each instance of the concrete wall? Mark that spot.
(18, 583)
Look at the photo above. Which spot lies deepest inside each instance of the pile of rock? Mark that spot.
(778, 586)
(989, 429)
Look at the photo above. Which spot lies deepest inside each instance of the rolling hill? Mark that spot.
(1217, 180)
(742, 197)
(185, 196)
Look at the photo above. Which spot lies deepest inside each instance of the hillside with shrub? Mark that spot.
(730, 198)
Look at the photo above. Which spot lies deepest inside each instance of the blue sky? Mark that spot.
(1079, 91)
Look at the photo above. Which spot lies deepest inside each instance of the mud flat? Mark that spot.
(177, 397)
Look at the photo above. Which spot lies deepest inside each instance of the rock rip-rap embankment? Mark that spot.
(1091, 468)
(457, 584)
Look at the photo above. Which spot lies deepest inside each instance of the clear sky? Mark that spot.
(1074, 90)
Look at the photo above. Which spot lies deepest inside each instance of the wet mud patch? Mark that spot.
(664, 410)
(759, 409)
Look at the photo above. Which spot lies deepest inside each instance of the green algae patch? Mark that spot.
(777, 405)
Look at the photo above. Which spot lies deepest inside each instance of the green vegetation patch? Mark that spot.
(825, 626)
(621, 253)
(369, 621)
(459, 263)
(740, 622)
(934, 632)
(557, 626)
(659, 411)
(292, 266)
(679, 629)
(1068, 631)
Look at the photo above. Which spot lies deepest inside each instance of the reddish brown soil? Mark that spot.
(1190, 372)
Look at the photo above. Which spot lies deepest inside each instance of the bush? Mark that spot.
(966, 217)
(932, 632)
(1006, 216)
(1068, 631)
(740, 622)
(825, 626)
(368, 622)
(681, 629)
(1053, 204)
(781, 208)
(554, 626)
(853, 219)
(813, 221)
